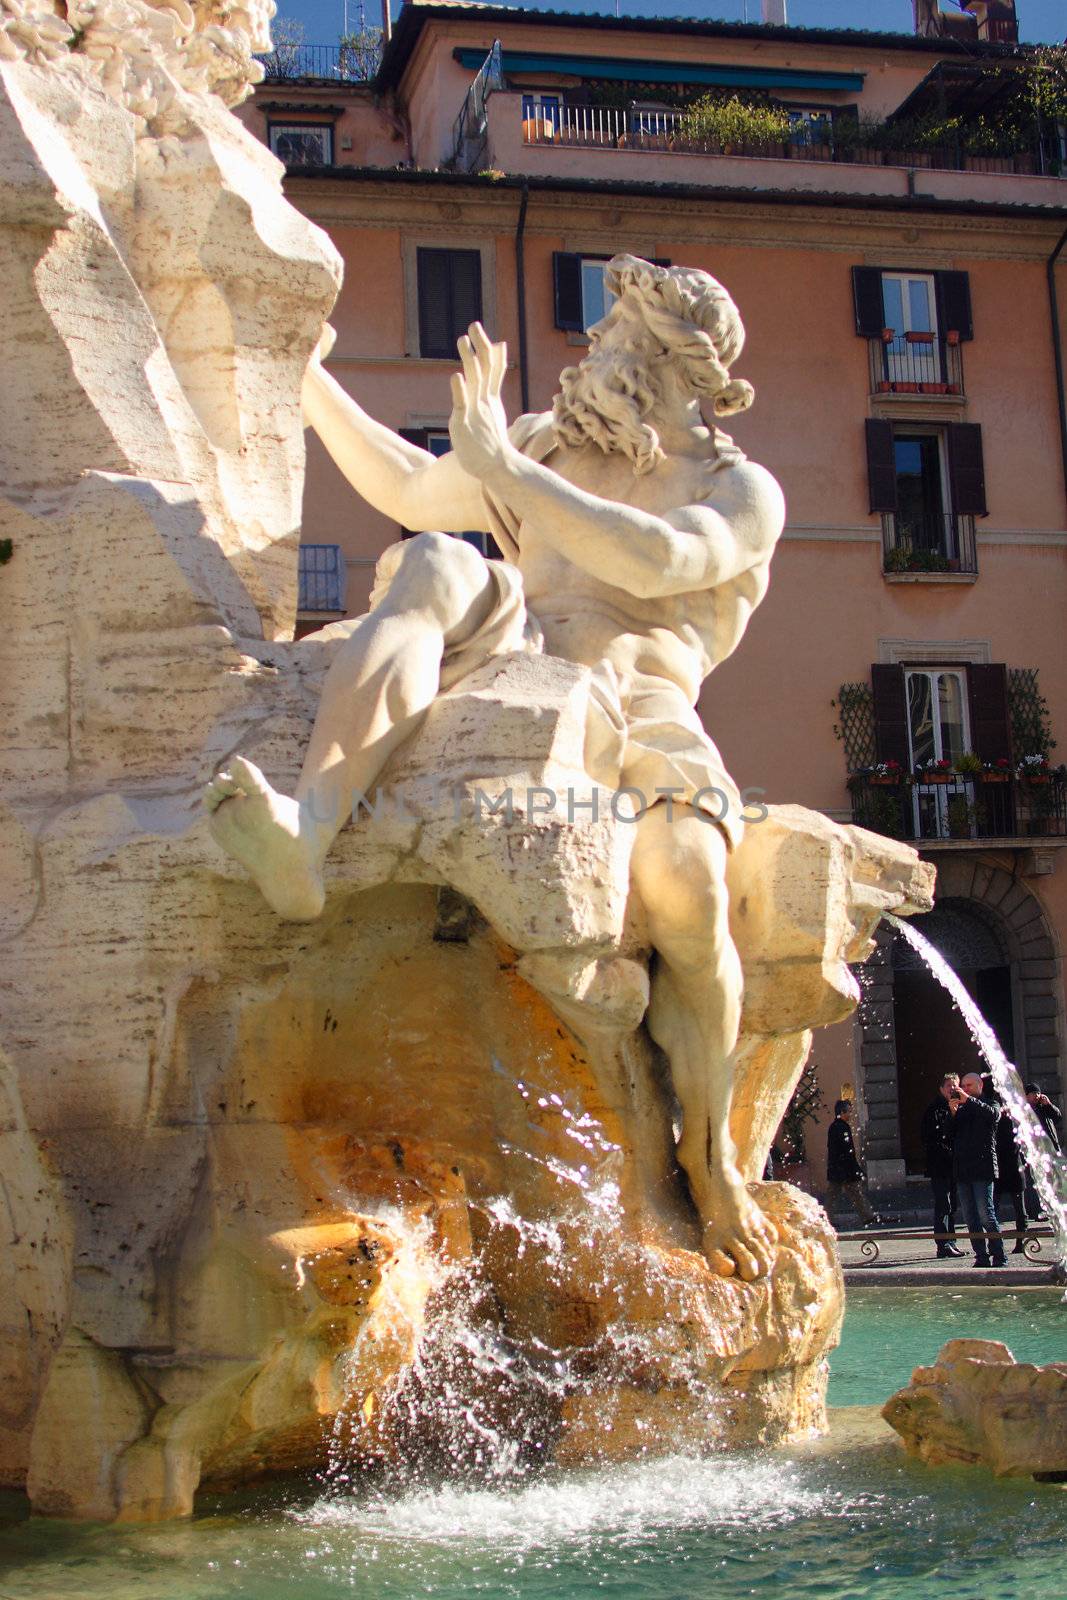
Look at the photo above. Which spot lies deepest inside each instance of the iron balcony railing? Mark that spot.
(354, 63)
(961, 806)
(915, 363)
(928, 543)
(631, 127)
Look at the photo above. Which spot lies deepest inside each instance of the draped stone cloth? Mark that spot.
(642, 734)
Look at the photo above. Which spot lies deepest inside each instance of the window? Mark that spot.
(810, 124)
(322, 578)
(929, 484)
(929, 713)
(302, 144)
(541, 116)
(450, 298)
(582, 296)
(916, 322)
(437, 442)
(937, 714)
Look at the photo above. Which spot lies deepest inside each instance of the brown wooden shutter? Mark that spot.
(881, 465)
(890, 698)
(450, 298)
(567, 280)
(954, 303)
(966, 468)
(867, 299)
(987, 688)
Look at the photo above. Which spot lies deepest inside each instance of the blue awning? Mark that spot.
(641, 71)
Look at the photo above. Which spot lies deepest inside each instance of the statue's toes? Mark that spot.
(221, 787)
(721, 1263)
(748, 1262)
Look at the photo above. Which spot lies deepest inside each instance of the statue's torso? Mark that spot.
(590, 619)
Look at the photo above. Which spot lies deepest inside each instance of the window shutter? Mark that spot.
(435, 321)
(466, 268)
(966, 469)
(890, 715)
(567, 279)
(450, 298)
(987, 688)
(954, 303)
(867, 297)
(881, 465)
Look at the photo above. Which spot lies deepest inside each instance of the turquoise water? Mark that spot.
(888, 1332)
(846, 1519)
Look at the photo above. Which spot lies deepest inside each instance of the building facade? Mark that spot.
(897, 270)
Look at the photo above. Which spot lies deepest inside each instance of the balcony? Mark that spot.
(916, 363)
(928, 546)
(353, 62)
(598, 127)
(961, 807)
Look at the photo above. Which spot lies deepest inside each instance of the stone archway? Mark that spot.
(985, 921)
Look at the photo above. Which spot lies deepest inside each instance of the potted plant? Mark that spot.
(968, 763)
(960, 817)
(998, 771)
(888, 773)
(1034, 769)
(935, 772)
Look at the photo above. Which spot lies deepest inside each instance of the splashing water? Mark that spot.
(1048, 1168)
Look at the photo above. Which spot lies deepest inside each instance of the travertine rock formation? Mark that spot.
(262, 1175)
(978, 1405)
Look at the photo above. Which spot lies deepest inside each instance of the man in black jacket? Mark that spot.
(937, 1137)
(1051, 1119)
(974, 1162)
(844, 1175)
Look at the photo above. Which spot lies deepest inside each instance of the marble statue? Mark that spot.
(638, 544)
(250, 1161)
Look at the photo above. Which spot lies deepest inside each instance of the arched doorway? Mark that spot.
(931, 1036)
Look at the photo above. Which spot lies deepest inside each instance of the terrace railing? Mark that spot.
(961, 806)
(292, 63)
(621, 127)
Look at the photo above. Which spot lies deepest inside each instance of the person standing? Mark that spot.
(1051, 1119)
(937, 1137)
(844, 1175)
(1011, 1168)
(974, 1165)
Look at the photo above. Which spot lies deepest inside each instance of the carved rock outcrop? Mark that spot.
(980, 1406)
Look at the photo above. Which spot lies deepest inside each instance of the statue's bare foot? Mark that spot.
(738, 1238)
(262, 830)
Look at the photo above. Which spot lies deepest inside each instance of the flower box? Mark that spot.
(919, 338)
(933, 388)
(995, 777)
(884, 783)
(1037, 777)
(905, 388)
(936, 777)
(883, 386)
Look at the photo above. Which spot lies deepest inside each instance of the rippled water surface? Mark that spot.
(846, 1519)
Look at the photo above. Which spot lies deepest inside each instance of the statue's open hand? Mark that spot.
(479, 426)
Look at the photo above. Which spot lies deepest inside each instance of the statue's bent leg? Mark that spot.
(377, 690)
(679, 873)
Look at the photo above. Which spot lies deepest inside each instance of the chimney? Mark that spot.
(773, 11)
(996, 19)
